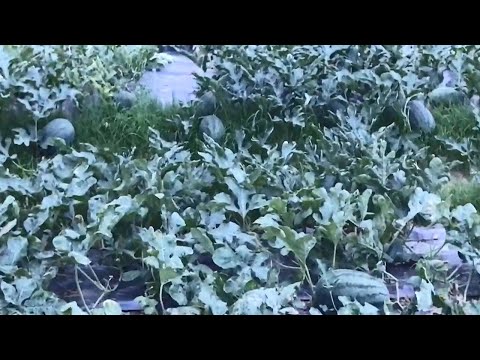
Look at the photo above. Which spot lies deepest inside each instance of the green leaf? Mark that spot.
(313, 311)
(178, 291)
(62, 244)
(268, 220)
(51, 201)
(25, 288)
(208, 296)
(424, 296)
(79, 258)
(299, 244)
(131, 275)
(168, 252)
(363, 203)
(167, 275)
(200, 236)
(44, 255)
(152, 261)
(237, 284)
(238, 173)
(261, 266)
(7, 203)
(33, 223)
(225, 233)
(9, 226)
(16, 250)
(249, 304)
(265, 301)
(23, 137)
(72, 308)
(111, 307)
(114, 212)
(175, 223)
(437, 172)
(472, 308)
(226, 258)
(149, 305)
(8, 269)
(336, 211)
(79, 187)
(465, 214)
(9, 293)
(355, 308)
(279, 206)
(183, 310)
(247, 200)
(424, 204)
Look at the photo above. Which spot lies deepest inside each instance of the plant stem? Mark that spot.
(454, 272)
(468, 284)
(160, 298)
(77, 282)
(334, 255)
(98, 285)
(94, 273)
(30, 171)
(308, 277)
(333, 301)
(99, 299)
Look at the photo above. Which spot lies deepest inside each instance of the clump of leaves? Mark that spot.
(299, 85)
(39, 78)
(238, 227)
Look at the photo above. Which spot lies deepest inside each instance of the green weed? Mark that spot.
(461, 192)
(121, 130)
(454, 134)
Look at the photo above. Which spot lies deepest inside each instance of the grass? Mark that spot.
(461, 192)
(456, 124)
(108, 126)
(121, 130)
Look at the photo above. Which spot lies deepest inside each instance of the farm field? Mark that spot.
(239, 180)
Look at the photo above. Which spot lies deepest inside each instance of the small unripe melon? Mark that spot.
(207, 104)
(125, 99)
(446, 95)
(212, 126)
(57, 128)
(420, 117)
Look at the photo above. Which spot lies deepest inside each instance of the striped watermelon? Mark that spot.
(355, 284)
(420, 117)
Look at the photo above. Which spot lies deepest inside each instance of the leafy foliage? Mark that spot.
(314, 172)
(41, 77)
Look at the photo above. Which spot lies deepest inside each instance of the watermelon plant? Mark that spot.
(296, 197)
(38, 79)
